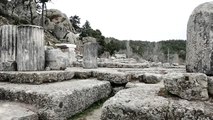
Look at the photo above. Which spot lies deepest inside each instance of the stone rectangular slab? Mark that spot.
(151, 102)
(57, 101)
(36, 77)
(16, 111)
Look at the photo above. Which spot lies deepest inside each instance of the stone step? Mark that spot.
(16, 111)
(57, 101)
(35, 77)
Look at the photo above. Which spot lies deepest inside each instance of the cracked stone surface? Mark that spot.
(57, 101)
(144, 103)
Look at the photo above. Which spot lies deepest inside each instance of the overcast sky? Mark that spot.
(151, 20)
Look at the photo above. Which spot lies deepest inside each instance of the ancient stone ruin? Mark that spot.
(41, 81)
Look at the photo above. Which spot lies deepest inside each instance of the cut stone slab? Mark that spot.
(189, 86)
(144, 103)
(123, 65)
(150, 78)
(199, 43)
(16, 111)
(114, 77)
(57, 101)
(36, 77)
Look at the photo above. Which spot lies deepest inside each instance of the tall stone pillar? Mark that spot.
(30, 48)
(8, 40)
(90, 55)
(199, 44)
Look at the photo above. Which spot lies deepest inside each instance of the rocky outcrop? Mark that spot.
(189, 86)
(199, 44)
(149, 102)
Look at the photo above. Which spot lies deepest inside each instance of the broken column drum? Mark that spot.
(90, 55)
(199, 44)
(8, 36)
(30, 48)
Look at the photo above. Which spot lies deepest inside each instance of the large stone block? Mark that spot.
(145, 103)
(199, 44)
(57, 101)
(16, 111)
(189, 86)
(56, 59)
(8, 39)
(36, 77)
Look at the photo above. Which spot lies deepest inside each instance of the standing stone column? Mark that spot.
(30, 48)
(90, 55)
(8, 39)
(199, 44)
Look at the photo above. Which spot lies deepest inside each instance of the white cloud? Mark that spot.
(151, 20)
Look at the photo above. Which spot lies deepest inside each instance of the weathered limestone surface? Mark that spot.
(16, 111)
(57, 101)
(30, 48)
(150, 78)
(8, 40)
(114, 77)
(143, 103)
(90, 55)
(189, 86)
(199, 44)
(36, 77)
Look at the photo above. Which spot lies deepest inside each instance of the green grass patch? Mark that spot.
(88, 111)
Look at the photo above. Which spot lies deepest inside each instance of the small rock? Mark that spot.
(210, 85)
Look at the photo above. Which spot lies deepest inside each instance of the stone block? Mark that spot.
(57, 101)
(199, 43)
(145, 103)
(36, 77)
(189, 86)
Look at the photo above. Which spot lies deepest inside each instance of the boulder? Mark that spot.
(199, 44)
(150, 78)
(145, 103)
(56, 59)
(57, 17)
(189, 86)
(88, 39)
